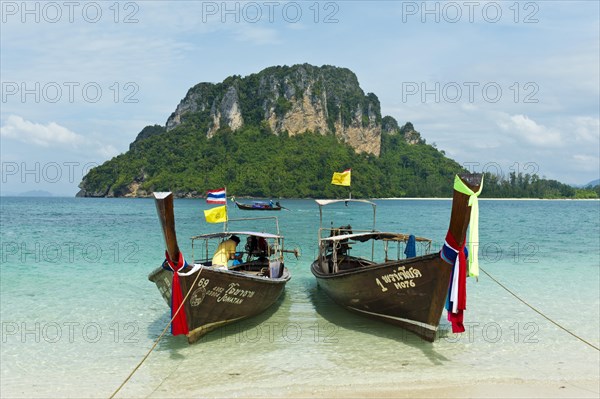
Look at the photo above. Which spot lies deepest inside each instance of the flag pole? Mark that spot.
(226, 224)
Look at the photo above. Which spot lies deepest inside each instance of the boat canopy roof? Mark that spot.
(223, 234)
(323, 202)
(376, 235)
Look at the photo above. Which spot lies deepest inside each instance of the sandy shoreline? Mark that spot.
(502, 388)
(512, 389)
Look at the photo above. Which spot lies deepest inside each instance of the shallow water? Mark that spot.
(78, 312)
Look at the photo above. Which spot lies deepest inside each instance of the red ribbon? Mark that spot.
(179, 324)
(457, 318)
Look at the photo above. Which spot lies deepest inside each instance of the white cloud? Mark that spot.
(587, 163)
(468, 107)
(257, 35)
(587, 129)
(523, 127)
(52, 135)
(585, 158)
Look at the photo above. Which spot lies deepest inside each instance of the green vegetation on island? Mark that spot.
(254, 162)
(519, 185)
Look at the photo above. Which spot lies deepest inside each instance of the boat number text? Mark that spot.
(399, 279)
(231, 294)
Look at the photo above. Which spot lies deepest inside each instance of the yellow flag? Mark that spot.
(341, 179)
(216, 215)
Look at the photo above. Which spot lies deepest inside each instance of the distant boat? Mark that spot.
(221, 296)
(260, 206)
(408, 292)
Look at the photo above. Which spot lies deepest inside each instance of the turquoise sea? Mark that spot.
(78, 312)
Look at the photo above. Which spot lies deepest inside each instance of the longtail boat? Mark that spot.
(259, 206)
(203, 297)
(394, 284)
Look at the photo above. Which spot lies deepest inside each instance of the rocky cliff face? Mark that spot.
(407, 131)
(293, 99)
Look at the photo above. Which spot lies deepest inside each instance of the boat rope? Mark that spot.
(157, 339)
(539, 312)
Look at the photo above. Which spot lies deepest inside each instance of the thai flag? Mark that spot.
(218, 196)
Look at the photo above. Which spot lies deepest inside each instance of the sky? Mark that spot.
(500, 86)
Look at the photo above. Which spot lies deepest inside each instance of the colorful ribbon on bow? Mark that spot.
(473, 235)
(179, 324)
(456, 301)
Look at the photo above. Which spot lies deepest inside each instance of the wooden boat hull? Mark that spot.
(410, 293)
(220, 297)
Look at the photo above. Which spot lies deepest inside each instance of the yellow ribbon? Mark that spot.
(473, 237)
